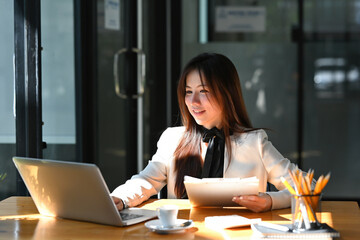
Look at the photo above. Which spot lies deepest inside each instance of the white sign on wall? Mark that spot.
(240, 19)
(112, 14)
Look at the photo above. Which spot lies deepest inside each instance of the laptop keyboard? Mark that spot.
(128, 216)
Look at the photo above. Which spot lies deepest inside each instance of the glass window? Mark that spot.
(259, 53)
(266, 59)
(58, 79)
(332, 94)
(7, 120)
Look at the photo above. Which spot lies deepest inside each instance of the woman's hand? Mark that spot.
(118, 202)
(256, 203)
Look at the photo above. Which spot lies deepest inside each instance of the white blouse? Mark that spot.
(252, 155)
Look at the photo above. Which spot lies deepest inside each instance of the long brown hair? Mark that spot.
(223, 81)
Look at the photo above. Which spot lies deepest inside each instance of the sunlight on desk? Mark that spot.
(19, 219)
(24, 217)
(325, 217)
(286, 217)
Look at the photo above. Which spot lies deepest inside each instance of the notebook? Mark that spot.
(218, 191)
(75, 191)
(264, 232)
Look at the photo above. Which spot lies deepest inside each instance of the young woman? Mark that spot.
(216, 140)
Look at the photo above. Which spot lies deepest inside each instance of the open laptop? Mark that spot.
(74, 191)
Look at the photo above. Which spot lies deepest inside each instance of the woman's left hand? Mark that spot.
(256, 203)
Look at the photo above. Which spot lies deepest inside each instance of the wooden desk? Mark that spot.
(19, 219)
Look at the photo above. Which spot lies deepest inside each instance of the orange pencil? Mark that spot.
(308, 200)
(308, 173)
(288, 186)
(318, 185)
(325, 181)
(295, 181)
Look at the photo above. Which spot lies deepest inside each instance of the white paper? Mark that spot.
(112, 14)
(229, 221)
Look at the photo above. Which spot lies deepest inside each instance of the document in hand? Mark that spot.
(218, 191)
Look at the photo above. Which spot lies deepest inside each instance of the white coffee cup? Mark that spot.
(167, 215)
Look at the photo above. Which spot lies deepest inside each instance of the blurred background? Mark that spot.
(108, 71)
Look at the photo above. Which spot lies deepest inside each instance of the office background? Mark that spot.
(298, 65)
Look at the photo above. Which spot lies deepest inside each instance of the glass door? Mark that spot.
(117, 116)
(131, 83)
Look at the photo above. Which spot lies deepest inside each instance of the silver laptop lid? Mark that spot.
(68, 190)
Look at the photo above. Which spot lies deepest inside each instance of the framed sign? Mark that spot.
(230, 19)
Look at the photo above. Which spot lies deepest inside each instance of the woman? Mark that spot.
(217, 140)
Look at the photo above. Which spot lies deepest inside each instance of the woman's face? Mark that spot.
(201, 104)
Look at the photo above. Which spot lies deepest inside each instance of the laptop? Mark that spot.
(75, 191)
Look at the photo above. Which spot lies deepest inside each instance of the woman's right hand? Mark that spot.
(118, 202)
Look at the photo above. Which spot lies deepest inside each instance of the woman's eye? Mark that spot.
(204, 91)
(188, 92)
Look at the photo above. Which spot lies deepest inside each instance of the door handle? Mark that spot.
(141, 73)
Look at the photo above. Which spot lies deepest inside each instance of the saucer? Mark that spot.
(156, 226)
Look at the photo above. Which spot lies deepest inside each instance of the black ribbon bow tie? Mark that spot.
(209, 134)
(214, 158)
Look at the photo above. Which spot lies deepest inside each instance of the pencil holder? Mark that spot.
(306, 212)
